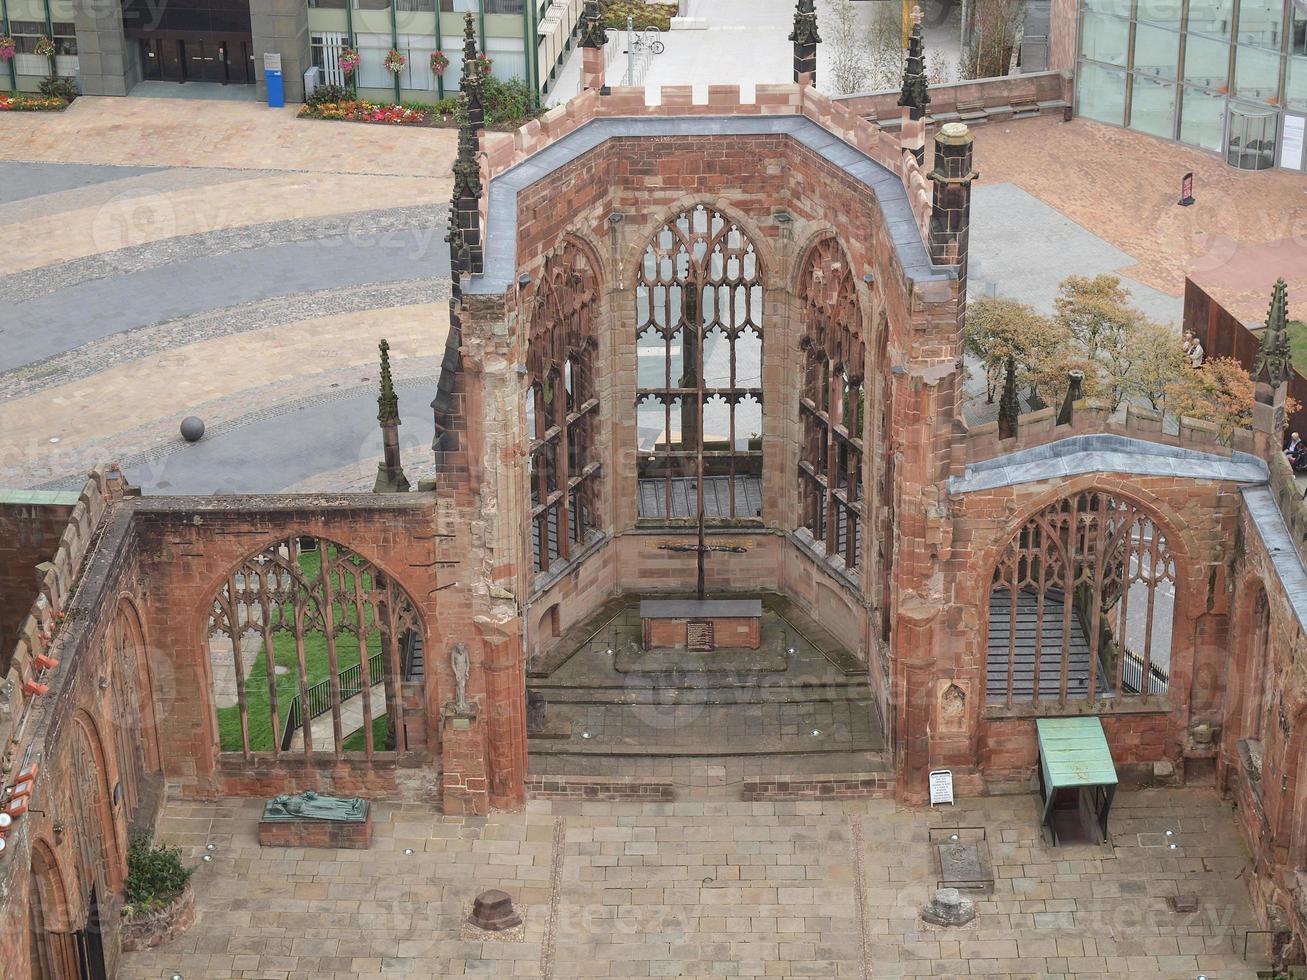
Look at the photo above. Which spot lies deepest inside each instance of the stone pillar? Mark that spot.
(281, 27)
(951, 212)
(914, 642)
(805, 39)
(465, 787)
(104, 60)
(594, 37)
(506, 697)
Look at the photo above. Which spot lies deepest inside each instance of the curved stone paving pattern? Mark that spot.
(430, 221)
(128, 345)
(223, 283)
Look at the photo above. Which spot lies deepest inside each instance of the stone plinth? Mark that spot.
(309, 832)
(466, 786)
(949, 908)
(701, 625)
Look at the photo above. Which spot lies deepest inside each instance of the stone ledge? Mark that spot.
(617, 789)
(835, 787)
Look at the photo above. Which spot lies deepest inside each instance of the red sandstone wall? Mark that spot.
(29, 535)
(996, 744)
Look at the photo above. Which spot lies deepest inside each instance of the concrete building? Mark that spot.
(111, 47)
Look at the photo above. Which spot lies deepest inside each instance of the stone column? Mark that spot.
(915, 672)
(951, 212)
(594, 37)
(104, 63)
(805, 39)
(465, 788)
(915, 96)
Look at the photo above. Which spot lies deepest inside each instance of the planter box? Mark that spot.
(165, 925)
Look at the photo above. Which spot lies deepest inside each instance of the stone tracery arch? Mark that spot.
(832, 405)
(562, 410)
(304, 629)
(699, 340)
(1081, 604)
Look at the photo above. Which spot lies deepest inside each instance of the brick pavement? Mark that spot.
(700, 889)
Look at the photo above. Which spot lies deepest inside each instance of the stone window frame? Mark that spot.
(675, 255)
(563, 465)
(833, 387)
(1110, 525)
(272, 578)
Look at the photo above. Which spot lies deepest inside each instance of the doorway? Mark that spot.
(90, 943)
(1250, 137)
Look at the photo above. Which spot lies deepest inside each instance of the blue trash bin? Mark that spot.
(276, 90)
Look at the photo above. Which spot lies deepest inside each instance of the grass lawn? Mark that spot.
(283, 652)
(380, 732)
(1298, 344)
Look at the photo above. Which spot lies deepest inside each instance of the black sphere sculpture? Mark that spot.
(192, 428)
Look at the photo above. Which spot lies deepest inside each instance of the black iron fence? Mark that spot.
(319, 696)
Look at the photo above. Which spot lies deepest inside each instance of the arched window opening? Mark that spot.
(129, 704)
(308, 645)
(562, 410)
(699, 335)
(1082, 604)
(1260, 717)
(832, 407)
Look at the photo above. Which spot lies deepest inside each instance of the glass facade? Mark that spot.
(1228, 76)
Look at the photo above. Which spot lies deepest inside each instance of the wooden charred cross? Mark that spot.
(701, 548)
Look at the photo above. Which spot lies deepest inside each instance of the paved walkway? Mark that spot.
(242, 266)
(703, 889)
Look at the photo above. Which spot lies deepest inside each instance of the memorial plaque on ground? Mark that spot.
(965, 865)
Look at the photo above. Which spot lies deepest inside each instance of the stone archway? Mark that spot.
(51, 945)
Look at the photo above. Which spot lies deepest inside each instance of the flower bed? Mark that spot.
(657, 15)
(358, 110)
(145, 928)
(20, 102)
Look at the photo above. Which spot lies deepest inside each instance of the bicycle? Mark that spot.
(648, 40)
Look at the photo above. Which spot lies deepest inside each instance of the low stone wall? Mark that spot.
(833, 787)
(973, 102)
(615, 790)
(981, 442)
(163, 926)
(1289, 498)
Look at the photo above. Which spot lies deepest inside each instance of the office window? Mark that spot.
(1165, 13)
(1157, 51)
(1202, 119)
(1105, 38)
(1256, 74)
(1211, 17)
(1261, 22)
(1102, 94)
(1152, 107)
(1206, 62)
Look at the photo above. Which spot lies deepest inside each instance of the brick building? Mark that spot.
(762, 299)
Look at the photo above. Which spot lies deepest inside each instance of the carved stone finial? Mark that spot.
(594, 33)
(916, 92)
(1274, 360)
(1074, 392)
(1009, 407)
(805, 40)
(387, 401)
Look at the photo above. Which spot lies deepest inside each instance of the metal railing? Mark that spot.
(319, 696)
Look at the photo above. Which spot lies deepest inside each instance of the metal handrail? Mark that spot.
(319, 696)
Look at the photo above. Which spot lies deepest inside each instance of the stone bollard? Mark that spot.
(493, 911)
(949, 908)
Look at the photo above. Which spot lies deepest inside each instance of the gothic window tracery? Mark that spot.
(126, 652)
(309, 643)
(1082, 604)
(699, 335)
(832, 406)
(562, 410)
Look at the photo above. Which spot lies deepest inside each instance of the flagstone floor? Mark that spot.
(714, 889)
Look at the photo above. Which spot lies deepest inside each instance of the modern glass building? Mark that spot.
(1226, 75)
(110, 46)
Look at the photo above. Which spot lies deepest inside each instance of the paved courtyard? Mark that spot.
(164, 258)
(707, 889)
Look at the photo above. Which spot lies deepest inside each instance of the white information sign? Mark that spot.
(271, 61)
(1292, 142)
(941, 786)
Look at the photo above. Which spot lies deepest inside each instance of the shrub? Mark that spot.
(506, 102)
(56, 87)
(155, 875)
(657, 15)
(330, 93)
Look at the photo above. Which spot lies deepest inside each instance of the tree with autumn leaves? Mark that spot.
(1125, 356)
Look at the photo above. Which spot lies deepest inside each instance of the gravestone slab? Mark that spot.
(965, 865)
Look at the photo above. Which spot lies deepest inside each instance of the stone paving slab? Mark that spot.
(710, 889)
